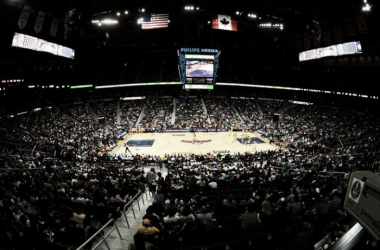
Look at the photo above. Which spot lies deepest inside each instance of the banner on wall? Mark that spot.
(350, 29)
(39, 21)
(24, 17)
(297, 40)
(306, 40)
(326, 34)
(54, 27)
(338, 34)
(362, 25)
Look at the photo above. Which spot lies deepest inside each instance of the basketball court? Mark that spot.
(182, 143)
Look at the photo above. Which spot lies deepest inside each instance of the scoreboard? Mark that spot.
(198, 67)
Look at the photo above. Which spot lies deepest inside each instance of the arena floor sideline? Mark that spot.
(160, 144)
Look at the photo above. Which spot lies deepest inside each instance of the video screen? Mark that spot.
(199, 68)
(333, 50)
(33, 43)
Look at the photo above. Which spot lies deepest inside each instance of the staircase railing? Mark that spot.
(103, 237)
(139, 196)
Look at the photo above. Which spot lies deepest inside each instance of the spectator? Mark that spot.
(249, 219)
(334, 203)
(265, 213)
(159, 197)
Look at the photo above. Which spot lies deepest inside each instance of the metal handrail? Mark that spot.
(330, 173)
(139, 196)
(103, 237)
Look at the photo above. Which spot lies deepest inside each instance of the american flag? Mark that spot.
(156, 21)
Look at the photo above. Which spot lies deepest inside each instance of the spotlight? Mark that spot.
(118, 14)
(142, 10)
(126, 12)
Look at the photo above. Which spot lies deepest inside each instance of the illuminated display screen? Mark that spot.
(333, 50)
(198, 86)
(206, 57)
(199, 68)
(34, 43)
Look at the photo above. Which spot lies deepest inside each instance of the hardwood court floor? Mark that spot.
(181, 143)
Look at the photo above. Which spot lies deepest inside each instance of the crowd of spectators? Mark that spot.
(158, 114)
(221, 113)
(270, 107)
(189, 114)
(61, 195)
(293, 112)
(58, 204)
(274, 198)
(105, 109)
(248, 111)
(130, 112)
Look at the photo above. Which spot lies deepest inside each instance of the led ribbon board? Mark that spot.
(333, 50)
(36, 44)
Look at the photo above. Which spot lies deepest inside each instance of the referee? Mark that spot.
(127, 149)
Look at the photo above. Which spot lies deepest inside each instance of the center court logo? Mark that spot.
(197, 141)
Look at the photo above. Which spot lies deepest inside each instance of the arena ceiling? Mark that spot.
(187, 28)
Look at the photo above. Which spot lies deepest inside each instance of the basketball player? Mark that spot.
(194, 138)
(127, 149)
(230, 132)
(235, 137)
(254, 147)
(247, 143)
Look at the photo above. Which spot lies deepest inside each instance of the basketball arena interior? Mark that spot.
(189, 125)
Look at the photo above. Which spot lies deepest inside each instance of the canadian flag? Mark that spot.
(224, 22)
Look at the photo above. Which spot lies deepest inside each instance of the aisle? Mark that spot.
(128, 230)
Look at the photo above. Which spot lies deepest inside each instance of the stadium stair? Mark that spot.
(92, 111)
(140, 116)
(305, 114)
(174, 110)
(118, 112)
(127, 233)
(258, 107)
(69, 117)
(241, 119)
(282, 113)
(205, 110)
